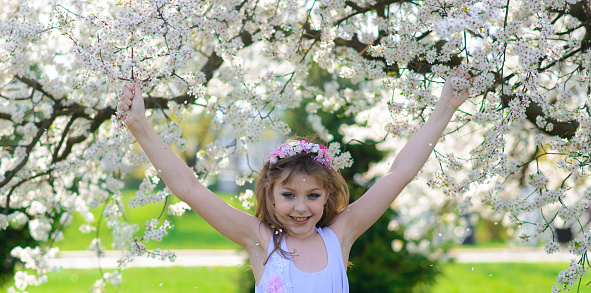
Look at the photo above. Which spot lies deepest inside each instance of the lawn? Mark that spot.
(145, 280)
(456, 278)
(500, 277)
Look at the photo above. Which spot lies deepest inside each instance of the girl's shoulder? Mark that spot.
(339, 228)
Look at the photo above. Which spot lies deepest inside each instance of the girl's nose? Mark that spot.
(300, 206)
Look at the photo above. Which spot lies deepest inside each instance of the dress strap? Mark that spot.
(338, 274)
(277, 281)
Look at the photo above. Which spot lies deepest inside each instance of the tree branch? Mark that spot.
(563, 129)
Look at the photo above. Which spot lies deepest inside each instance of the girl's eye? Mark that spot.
(314, 195)
(288, 195)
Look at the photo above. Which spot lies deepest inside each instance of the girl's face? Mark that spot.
(299, 204)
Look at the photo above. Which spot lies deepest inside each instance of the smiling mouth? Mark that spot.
(300, 219)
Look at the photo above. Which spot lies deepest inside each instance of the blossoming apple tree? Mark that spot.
(519, 145)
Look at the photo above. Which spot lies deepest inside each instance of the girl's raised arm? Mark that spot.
(366, 210)
(234, 224)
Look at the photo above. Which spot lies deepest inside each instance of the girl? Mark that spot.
(300, 237)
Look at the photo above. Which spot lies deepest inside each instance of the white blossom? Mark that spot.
(245, 198)
(178, 209)
(238, 68)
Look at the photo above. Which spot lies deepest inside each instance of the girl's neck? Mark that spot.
(314, 233)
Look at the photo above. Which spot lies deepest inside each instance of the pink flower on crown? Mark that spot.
(275, 285)
(292, 148)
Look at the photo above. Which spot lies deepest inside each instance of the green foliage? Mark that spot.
(9, 239)
(375, 267)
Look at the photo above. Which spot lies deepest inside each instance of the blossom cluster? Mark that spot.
(567, 277)
(245, 198)
(33, 259)
(138, 248)
(153, 232)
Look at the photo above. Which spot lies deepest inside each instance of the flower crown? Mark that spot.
(292, 148)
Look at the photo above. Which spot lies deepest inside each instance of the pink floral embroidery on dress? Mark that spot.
(275, 285)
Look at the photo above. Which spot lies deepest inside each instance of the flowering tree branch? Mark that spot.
(240, 64)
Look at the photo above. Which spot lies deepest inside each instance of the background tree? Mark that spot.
(62, 64)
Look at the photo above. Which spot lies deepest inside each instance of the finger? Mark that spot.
(126, 99)
(123, 106)
(138, 88)
(127, 93)
(130, 88)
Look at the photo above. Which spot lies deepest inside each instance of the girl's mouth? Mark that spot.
(300, 220)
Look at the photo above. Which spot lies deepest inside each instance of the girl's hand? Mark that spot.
(456, 89)
(131, 104)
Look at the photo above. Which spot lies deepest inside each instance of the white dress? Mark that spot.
(282, 276)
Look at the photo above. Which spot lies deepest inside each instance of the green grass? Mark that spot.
(456, 278)
(190, 231)
(484, 244)
(500, 277)
(146, 280)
